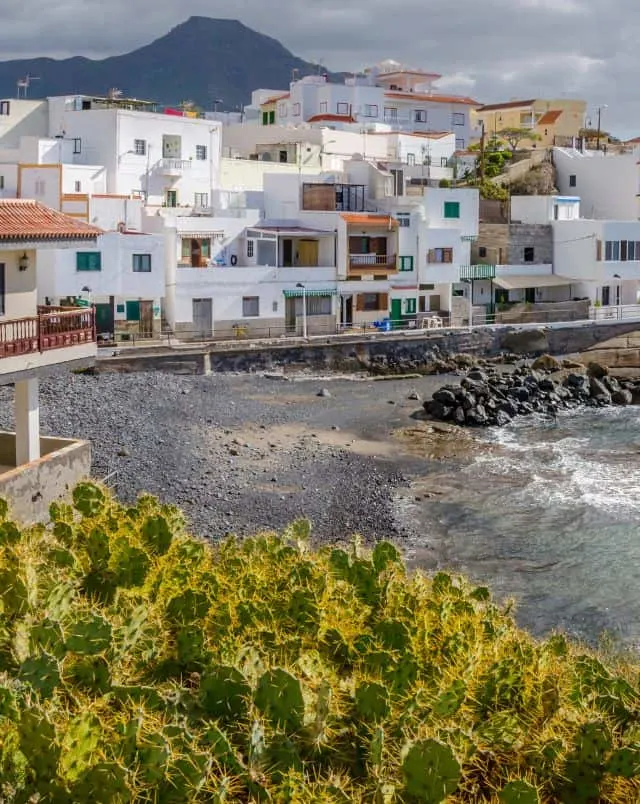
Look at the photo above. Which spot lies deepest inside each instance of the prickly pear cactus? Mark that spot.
(224, 693)
(156, 534)
(42, 673)
(89, 499)
(519, 792)
(372, 701)
(79, 746)
(90, 636)
(431, 771)
(279, 698)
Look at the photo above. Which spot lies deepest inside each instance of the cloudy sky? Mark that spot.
(493, 50)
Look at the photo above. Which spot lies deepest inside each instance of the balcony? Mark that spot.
(173, 167)
(372, 263)
(53, 328)
(480, 271)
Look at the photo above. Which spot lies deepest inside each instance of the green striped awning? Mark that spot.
(297, 292)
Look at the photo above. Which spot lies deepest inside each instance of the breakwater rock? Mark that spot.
(492, 398)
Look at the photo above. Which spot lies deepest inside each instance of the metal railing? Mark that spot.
(174, 164)
(372, 261)
(618, 312)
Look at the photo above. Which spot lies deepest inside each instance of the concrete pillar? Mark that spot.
(27, 415)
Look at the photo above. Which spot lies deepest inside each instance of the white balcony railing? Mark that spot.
(174, 165)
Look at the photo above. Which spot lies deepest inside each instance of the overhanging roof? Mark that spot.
(520, 281)
(23, 220)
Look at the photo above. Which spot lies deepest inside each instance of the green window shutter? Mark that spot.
(265, 118)
(410, 306)
(133, 310)
(186, 247)
(88, 261)
(406, 263)
(205, 247)
(452, 209)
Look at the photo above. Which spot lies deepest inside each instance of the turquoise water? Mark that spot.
(551, 517)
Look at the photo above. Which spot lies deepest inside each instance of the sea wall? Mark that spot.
(382, 353)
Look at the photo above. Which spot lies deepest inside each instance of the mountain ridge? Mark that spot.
(202, 60)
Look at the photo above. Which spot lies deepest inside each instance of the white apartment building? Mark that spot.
(388, 97)
(608, 184)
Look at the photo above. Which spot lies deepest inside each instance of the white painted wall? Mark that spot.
(25, 118)
(21, 298)
(542, 209)
(607, 185)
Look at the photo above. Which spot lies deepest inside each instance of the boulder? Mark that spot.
(597, 370)
(509, 408)
(502, 418)
(598, 391)
(458, 416)
(546, 363)
(476, 417)
(477, 375)
(611, 384)
(573, 364)
(622, 397)
(547, 385)
(444, 395)
(438, 410)
(577, 381)
(464, 361)
(520, 393)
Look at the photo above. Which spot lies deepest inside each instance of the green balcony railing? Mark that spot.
(477, 271)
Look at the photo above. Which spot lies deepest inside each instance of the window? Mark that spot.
(420, 116)
(342, 108)
(296, 110)
(457, 119)
(5, 107)
(201, 200)
(623, 250)
(370, 302)
(631, 250)
(406, 263)
(171, 198)
(482, 252)
(265, 118)
(283, 157)
(120, 308)
(274, 306)
(422, 304)
(201, 152)
(250, 306)
(451, 209)
(39, 188)
(529, 254)
(78, 186)
(370, 110)
(140, 147)
(410, 306)
(608, 250)
(250, 247)
(272, 117)
(460, 144)
(404, 219)
(573, 180)
(141, 263)
(440, 255)
(1, 182)
(390, 113)
(411, 159)
(616, 250)
(88, 261)
(77, 145)
(318, 305)
(282, 110)
(324, 107)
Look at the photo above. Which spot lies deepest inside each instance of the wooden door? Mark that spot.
(308, 253)
(290, 315)
(146, 319)
(202, 318)
(378, 245)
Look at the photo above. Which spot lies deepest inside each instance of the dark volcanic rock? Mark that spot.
(599, 391)
(622, 397)
(445, 395)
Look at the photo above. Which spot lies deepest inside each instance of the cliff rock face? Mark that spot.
(540, 180)
(201, 60)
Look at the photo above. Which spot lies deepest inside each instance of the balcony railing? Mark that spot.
(479, 271)
(365, 262)
(52, 328)
(173, 166)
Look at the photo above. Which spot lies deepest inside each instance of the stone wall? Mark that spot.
(505, 243)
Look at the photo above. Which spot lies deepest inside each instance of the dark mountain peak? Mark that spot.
(203, 59)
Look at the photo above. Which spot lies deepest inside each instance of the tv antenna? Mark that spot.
(24, 83)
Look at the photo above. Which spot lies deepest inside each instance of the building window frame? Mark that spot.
(88, 261)
(201, 200)
(440, 255)
(404, 219)
(391, 113)
(405, 263)
(251, 306)
(371, 110)
(282, 109)
(342, 107)
(5, 108)
(458, 119)
(410, 306)
(324, 107)
(251, 248)
(140, 147)
(295, 110)
(573, 180)
(77, 145)
(529, 254)
(201, 153)
(451, 210)
(141, 263)
(420, 116)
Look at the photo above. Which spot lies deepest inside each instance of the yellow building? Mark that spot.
(554, 121)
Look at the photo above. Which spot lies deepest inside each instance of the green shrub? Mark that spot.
(139, 664)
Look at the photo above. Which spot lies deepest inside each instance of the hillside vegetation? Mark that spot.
(139, 664)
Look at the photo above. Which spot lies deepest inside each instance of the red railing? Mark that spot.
(52, 328)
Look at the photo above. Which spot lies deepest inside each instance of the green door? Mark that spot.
(396, 312)
(133, 311)
(104, 318)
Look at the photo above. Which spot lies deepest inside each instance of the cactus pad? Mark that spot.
(80, 743)
(431, 771)
(519, 792)
(90, 636)
(88, 499)
(224, 693)
(372, 701)
(42, 673)
(279, 698)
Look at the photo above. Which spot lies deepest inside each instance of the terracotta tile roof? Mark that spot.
(24, 219)
(275, 99)
(549, 118)
(508, 105)
(434, 98)
(332, 118)
(634, 141)
(430, 135)
(368, 219)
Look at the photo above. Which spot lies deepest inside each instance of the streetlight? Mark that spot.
(600, 108)
(304, 309)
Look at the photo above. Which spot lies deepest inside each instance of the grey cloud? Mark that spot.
(499, 49)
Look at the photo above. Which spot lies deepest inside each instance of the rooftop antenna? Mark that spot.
(23, 84)
(114, 93)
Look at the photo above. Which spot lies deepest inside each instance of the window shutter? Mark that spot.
(599, 250)
(383, 301)
(431, 257)
(360, 302)
(447, 255)
(186, 247)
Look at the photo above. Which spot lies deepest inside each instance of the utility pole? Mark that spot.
(600, 108)
(481, 151)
